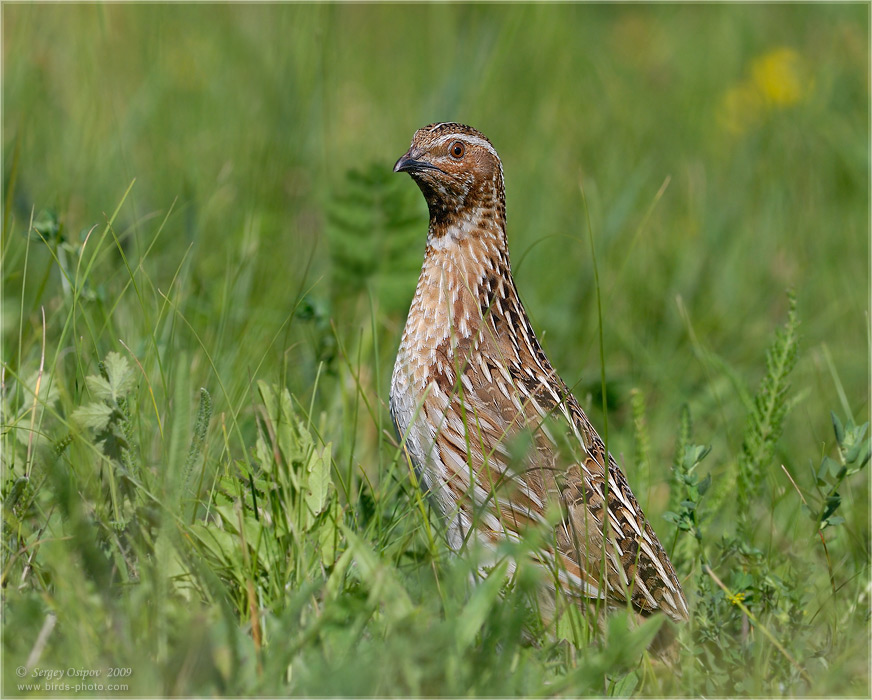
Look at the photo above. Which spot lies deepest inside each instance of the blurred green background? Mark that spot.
(723, 151)
(248, 118)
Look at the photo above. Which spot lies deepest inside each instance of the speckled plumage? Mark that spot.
(470, 376)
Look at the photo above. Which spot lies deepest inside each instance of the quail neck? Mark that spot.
(470, 375)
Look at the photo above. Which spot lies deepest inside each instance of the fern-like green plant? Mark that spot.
(766, 420)
(685, 426)
(108, 419)
(685, 493)
(376, 236)
(201, 428)
(689, 489)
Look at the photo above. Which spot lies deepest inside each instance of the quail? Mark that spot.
(471, 377)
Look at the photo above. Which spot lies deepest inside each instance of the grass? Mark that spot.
(206, 267)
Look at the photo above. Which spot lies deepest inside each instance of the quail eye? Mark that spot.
(457, 149)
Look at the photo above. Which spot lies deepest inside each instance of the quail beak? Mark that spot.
(408, 164)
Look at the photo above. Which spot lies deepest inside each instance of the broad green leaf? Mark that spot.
(264, 456)
(854, 443)
(837, 428)
(94, 416)
(121, 376)
(252, 528)
(317, 483)
(829, 467)
(741, 580)
(229, 543)
(229, 518)
(832, 504)
(624, 687)
(99, 387)
(268, 396)
(222, 545)
(835, 520)
(834, 467)
(861, 458)
(328, 538)
(294, 443)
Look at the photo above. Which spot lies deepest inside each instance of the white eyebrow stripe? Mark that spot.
(469, 139)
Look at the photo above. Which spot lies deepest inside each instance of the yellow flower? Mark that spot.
(737, 598)
(778, 77)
